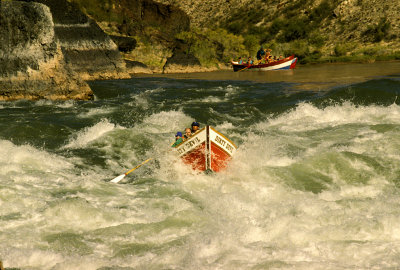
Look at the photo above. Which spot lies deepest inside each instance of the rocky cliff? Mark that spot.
(86, 48)
(209, 12)
(32, 64)
(153, 26)
(49, 47)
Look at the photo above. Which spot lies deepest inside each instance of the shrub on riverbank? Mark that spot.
(213, 46)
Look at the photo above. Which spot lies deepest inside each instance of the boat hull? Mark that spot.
(286, 63)
(207, 150)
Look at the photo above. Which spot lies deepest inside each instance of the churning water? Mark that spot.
(315, 183)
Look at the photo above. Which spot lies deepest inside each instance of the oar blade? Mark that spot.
(118, 178)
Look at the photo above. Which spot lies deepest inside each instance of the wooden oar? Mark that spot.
(245, 68)
(119, 178)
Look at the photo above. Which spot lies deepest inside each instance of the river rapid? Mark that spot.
(315, 183)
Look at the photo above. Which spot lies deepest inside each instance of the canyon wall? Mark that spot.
(32, 64)
(86, 48)
(48, 48)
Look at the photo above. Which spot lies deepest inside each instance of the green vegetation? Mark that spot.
(214, 46)
(100, 10)
(378, 32)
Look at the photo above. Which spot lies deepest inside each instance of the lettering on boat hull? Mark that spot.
(208, 149)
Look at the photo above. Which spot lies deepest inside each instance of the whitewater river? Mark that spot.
(315, 183)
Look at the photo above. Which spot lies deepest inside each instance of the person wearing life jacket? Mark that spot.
(195, 127)
(260, 54)
(178, 139)
(268, 56)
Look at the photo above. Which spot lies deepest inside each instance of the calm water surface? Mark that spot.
(315, 183)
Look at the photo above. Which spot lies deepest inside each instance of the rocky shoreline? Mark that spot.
(46, 54)
(32, 65)
(50, 48)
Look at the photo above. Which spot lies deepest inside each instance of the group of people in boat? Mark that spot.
(189, 132)
(264, 56)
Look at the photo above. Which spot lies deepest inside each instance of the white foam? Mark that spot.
(259, 213)
(25, 158)
(166, 122)
(209, 99)
(225, 126)
(232, 90)
(308, 117)
(33, 259)
(142, 98)
(90, 134)
(93, 112)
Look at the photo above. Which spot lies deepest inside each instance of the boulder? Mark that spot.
(125, 44)
(139, 15)
(86, 48)
(182, 62)
(134, 67)
(32, 64)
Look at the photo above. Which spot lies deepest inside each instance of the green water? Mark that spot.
(314, 184)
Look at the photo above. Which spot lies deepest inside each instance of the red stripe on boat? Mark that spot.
(196, 158)
(219, 158)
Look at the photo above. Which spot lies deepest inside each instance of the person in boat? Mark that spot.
(178, 139)
(268, 56)
(188, 133)
(260, 54)
(240, 61)
(195, 127)
(249, 61)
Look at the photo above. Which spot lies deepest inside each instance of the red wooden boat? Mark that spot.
(206, 150)
(286, 63)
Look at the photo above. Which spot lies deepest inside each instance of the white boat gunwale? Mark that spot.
(191, 139)
(182, 150)
(224, 137)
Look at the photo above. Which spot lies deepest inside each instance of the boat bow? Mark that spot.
(207, 149)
